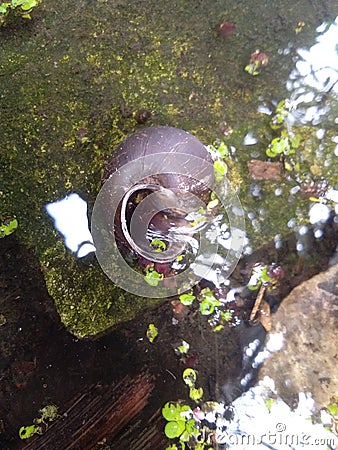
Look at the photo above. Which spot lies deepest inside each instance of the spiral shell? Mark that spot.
(171, 194)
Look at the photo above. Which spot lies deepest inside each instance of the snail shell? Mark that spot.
(173, 190)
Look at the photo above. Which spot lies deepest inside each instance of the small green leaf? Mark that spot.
(208, 296)
(29, 431)
(226, 315)
(152, 277)
(174, 429)
(252, 68)
(183, 349)
(190, 426)
(269, 402)
(8, 226)
(333, 406)
(220, 169)
(295, 141)
(152, 332)
(212, 204)
(196, 394)
(159, 245)
(259, 275)
(270, 152)
(4, 8)
(189, 377)
(206, 308)
(28, 4)
(223, 150)
(187, 299)
(171, 411)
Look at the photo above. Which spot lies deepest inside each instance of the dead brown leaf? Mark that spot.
(264, 170)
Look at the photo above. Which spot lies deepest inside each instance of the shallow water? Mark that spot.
(75, 80)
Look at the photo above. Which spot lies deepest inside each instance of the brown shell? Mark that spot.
(162, 141)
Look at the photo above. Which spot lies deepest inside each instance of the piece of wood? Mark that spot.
(95, 415)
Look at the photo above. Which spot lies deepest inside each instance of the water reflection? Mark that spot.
(315, 77)
(71, 220)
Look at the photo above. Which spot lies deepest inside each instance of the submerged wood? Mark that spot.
(96, 415)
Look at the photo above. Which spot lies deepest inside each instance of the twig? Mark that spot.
(257, 302)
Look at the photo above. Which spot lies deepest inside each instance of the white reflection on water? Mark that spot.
(314, 77)
(71, 220)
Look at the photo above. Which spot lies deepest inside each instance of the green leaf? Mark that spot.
(223, 150)
(206, 308)
(190, 426)
(28, 4)
(152, 332)
(270, 152)
(29, 431)
(4, 8)
(226, 315)
(185, 436)
(8, 226)
(159, 245)
(189, 377)
(295, 141)
(252, 68)
(196, 393)
(183, 348)
(333, 406)
(172, 411)
(187, 299)
(259, 275)
(152, 277)
(174, 429)
(269, 402)
(220, 169)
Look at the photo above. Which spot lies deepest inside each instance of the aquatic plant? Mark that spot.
(8, 226)
(152, 332)
(265, 275)
(152, 277)
(187, 299)
(189, 377)
(287, 143)
(208, 303)
(19, 7)
(180, 422)
(183, 348)
(196, 429)
(48, 414)
(258, 60)
(219, 151)
(158, 244)
(28, 431)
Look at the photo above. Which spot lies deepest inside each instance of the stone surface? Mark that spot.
(308, 321)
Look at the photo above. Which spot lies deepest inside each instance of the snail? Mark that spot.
(159, 174)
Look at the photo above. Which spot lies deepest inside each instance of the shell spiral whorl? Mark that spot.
(163, 167)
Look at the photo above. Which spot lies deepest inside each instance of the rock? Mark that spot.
(308, 321)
